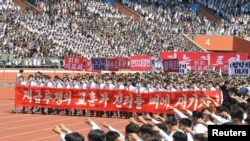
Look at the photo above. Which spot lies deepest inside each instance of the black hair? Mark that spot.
(186, 122)
(171, 120)
(112, 135)
(244, 106)
(21, 71)
(162, 126)
(96, 135)
(221, 109)
(132, 128)
(208, 109)
(197, 114)
(147, 128)
(238, 114)
(200, 137)
(248, 100)
(74, 136)
(180, 136)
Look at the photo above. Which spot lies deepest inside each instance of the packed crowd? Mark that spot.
(183, 125)
(192, 126)
(142, 83)
(235, 15)
(38, 39)
(100, 30)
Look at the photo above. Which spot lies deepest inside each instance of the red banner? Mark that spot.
(123, 63)
(87, 65)
(73, 63)
(170, 65)
(111, 100)
(199, 65)
(221, 58)
(113, 64)
(185, 56)
(140, 63)
(213, 58)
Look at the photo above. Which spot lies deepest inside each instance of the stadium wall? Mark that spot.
(223, 43)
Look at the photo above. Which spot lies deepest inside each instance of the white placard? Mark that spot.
(239, 67)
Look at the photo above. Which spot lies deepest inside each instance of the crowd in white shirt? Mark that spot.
(234, 14)
(182, 126)
(100, 30)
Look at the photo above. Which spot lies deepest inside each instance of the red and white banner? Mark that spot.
(214, 58)
(73, 63)
(170, 65)
(199, 65)
(111, 100)
(123, 63)
(223, 67)
(113, 64)
(185, 57)
(87, 65)
(221, 58)
(140, 63)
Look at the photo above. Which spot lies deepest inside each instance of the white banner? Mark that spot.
(239, 67)
(183, 68)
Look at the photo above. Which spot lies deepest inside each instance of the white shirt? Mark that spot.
(103, 86)
(121, 87)
(200, 128)
(84, 86)
(59, 85)
(50, 85)
(33, 83)
(133, 89)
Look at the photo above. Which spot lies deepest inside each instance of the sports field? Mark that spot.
(38, 127)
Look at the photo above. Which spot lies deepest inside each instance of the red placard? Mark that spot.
(170, 65)
(222, 67)
(140, 63)
(199, 65)
(73, 63)
(112, 100)
(87, 65)
(123, 63)
(113, 64)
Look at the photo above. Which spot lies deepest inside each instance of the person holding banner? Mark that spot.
(20, 81)
(18, 76)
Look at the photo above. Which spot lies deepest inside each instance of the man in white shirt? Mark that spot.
(20, 73)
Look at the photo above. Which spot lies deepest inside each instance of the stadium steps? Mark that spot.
(209, 15)
(127, 11)
(21, 3)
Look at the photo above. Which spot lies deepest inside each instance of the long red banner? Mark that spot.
(111, 100)
(214, 58)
